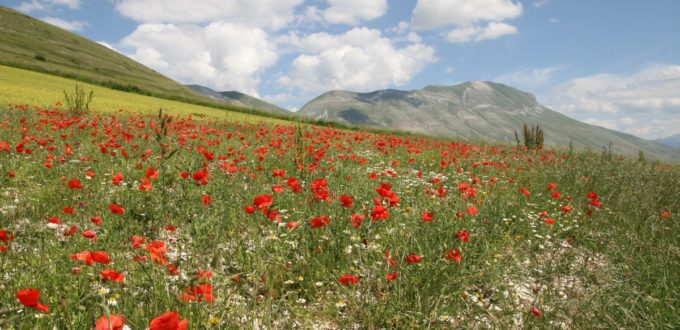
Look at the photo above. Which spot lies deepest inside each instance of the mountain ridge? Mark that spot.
(479, 110)
(239, 99)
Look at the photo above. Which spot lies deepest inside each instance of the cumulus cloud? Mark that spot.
(476, 33)
(221, 55)
(354, 11)
(261, 13)
(360, 60)
(645, 103)
(467, 17)
(64, 24)
(44, 5)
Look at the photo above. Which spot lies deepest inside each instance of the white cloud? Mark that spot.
(354, 11)
(221, 56)
(431, 14)
(476, 33)
(44, 5)
(530, 79)
(645, 103)
(540, 3)
(360, 60)
(654, 89)
(261, 13)
(64, 24)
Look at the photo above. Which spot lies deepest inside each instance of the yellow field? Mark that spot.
(19, 86)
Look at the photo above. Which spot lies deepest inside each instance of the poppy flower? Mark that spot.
(320, 222)
(552, 186)
(152, 173)
(69, 210)
(145, 184)
(249, 209)
(392, 276)
(348, 279)
(665, 214)
(389, 259)
(112, 275)
(71, 231)
(5, 237)
(454, 255)
(206, 199)
(91, 257)
(137, 241)
(75, 184)
(168, 321)
(263, 201)
(90, 234)
(379, 213)
(357, 219)
(158, 251)
(536, 311)
(525, 192)
(117, 209)
(555, 194)
(550, 221)
(30, 297)
(463, 235)
(346, 200)
(96, 220)
(56, 220)
(413, 258)
(566, 209)
(113, 322)
(428, 216)
(117, 179)
(472, 210)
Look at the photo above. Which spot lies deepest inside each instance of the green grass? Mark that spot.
(615, 268)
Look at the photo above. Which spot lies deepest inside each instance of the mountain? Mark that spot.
(476, 110)
(32, 44)
(239, 99)
(671, 141)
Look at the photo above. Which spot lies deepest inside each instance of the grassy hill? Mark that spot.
(31, 44)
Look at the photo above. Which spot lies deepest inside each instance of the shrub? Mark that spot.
(533, 137)
(79, 100)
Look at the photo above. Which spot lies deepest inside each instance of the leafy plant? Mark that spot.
(533, 137)
(79, 100)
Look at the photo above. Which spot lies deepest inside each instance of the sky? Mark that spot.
(612, 63)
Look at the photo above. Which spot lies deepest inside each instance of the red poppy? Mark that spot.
(75, 184)
(96, 220)
(472, 210)
(555, 194)
(90, 234)
(151, 173)
(389, 259)
(379, 213)
(428, 216)
(550, 221)
(145, 184)
(552, 186)
(463, 235)
(525, 192)
(206, 199)
(91, 257)
(117, 209)
(169, 321)
(113, 322)
(69, 210)
(392, 276)
(357, 219)
(71, 231)
(263, 201)
(5, 237)
(566, 209)
(536, 311)
(348, 279)
(249, 209)
(117, 179)
(30, 297)
(137, 241)
(112, 275)
(454, 255)
(54, 220)
(413, 258)
(158, 252)
(665, 214)
(346, 200)
(198, 293)
(320, 222)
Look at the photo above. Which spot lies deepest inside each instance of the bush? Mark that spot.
(79, 100)
(533, 137)
(40, 57)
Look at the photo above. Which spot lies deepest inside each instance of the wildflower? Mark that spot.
(117, 179)
(454, 255)
(152, 173)
(428, 216)
(30, 297)
(112, 275)
(665, 214)
(117, 209)
(346, 200)
(348, 279)
(168, 321)
(392, 276)
(96, 220)
(463, 235)
(413, 258)
(75, 184)
(357, 219)
(536, 311)
(158, 252)
(206, 199)
(145, 184)
(472, 210)
(113, 322)
(320, 222)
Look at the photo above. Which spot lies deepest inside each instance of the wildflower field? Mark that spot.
(120, 219)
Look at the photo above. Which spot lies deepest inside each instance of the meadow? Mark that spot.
(126, 217)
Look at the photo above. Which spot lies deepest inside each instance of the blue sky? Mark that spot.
(613, 63)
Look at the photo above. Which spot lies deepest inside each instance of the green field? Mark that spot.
(18, 86)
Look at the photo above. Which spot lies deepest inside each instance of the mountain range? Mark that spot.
(671, 141)
(476, 110)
